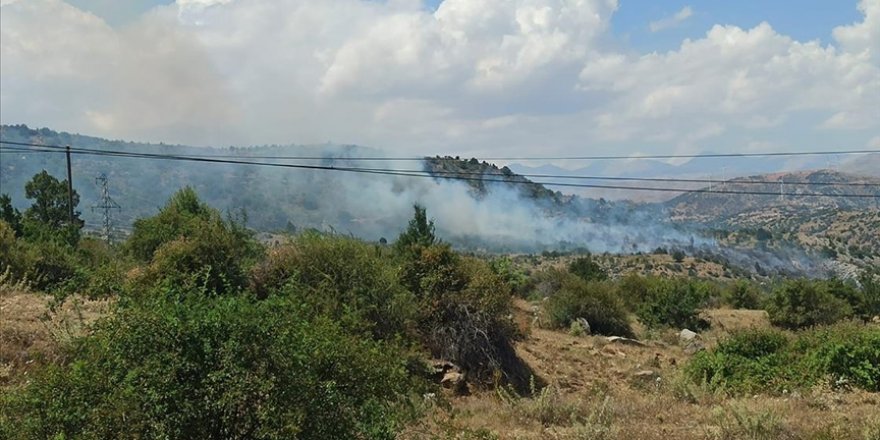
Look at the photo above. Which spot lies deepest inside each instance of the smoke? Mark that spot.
(504, 217)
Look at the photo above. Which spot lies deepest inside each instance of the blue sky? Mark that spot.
(800, 19)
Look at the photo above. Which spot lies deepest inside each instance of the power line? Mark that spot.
(423, 174)
(610, 157)
(528, 175)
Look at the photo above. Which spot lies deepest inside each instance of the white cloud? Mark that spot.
(472, 77)
(864, 36)
(671, 21)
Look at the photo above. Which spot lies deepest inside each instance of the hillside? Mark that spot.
(708, 207)
(481, 176)
(843, 229)
(490, 208)
(367, 205)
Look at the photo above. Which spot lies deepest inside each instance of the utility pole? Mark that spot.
(107, 205)
(69, 188)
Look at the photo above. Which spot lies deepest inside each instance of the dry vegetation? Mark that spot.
(601, 390)
(33, 328)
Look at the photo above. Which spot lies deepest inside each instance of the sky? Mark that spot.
(460, 77)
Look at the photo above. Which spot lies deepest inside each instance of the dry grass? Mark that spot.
(32, 329)
(595, 394)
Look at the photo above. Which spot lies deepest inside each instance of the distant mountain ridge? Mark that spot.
(708, 207)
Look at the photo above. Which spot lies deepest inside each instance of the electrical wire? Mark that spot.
(525, 158)
(425, 174)
(527, 175)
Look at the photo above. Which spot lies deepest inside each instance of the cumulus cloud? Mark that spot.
(862, 37)
(471, 77)
(671, 21)
(747, 78)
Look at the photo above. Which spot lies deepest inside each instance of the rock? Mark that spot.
(624, 341)
(585, 325)
(694, 346)
(646, 374)
(687, 335)
(452, 379)
(876, 319)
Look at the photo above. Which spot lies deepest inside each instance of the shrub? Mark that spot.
(743, 295)
(212, 258)
(183, 215)
(849, 352)
(214, 368)
(762, 360)
(597, 302)
(514, 277)
(15, 257)
(803, 303)
(871, 291)
(53, 264)
(673, 302)
(189, 244)
(546, 282)
(678, 255)
(464, 310)
(587, 269)
(340, 277)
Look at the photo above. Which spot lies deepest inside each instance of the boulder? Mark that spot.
(585, 325)
(686, 335)
(694, 346)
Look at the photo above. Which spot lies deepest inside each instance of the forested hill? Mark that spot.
(367, 205)
(272, 197)
(481, 176)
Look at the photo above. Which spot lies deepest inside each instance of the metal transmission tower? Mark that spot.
(107, 206)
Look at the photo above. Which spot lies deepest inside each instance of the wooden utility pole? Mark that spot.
(69, 188)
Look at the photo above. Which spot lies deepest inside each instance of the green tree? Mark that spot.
(182, 216)
(420, 231)
(587, 269)
(804, 303)
(48, 218)
(9, 214)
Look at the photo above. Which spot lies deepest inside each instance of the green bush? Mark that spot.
(182, 216)
(214, 368)
(187, 243)
(743, 295)
(213, 258)
(804, 303)
(464, 310)
(849, 352)
(587, 269)
(673, 302)
(870, 284)
(516, 278)
(595, 301)
(15, 257)
(770, 360)
(53, 265)
(340, 277)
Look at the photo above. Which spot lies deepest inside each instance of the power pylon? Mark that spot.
(107, 206)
